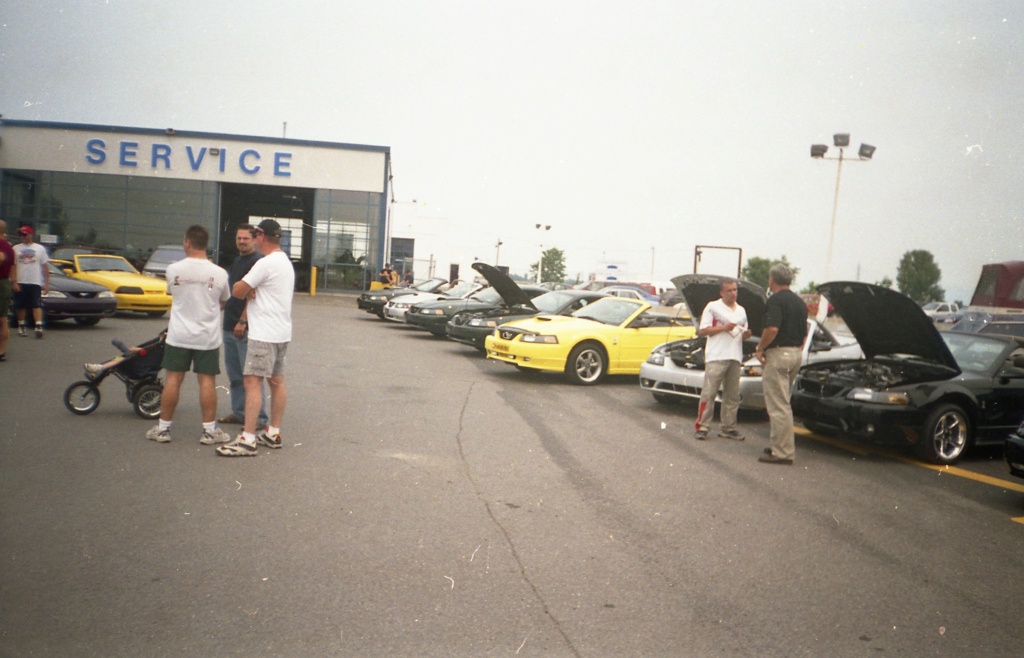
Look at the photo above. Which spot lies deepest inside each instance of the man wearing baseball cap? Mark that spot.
(269, 287)
(33, 280)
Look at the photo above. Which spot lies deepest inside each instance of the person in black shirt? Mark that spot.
(236, 328)
(780, 350)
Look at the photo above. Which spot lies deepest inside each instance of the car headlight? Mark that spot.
(539, 338)
(431, 311)
(55, 294)
(656, 359)
(878, 397)
(129, 290)
(752, 371)
(152, 274)
(481, 322)
(106, 294)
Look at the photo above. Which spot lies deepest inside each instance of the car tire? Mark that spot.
(82, 398)
(665, 398)
(146, 400)
(87, 322)
(946, 435)
(587, 364)
(155, 314)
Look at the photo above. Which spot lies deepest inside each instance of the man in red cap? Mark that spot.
(33, 280)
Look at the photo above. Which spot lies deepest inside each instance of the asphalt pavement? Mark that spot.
(428, 502)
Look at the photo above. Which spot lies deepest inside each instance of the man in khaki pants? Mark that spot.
(781, 352)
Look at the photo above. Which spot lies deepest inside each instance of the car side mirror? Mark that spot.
(641, 322)
(68, 270)
(821, 346)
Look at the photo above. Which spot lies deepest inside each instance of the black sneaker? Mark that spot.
(39, 332)
(730, 434)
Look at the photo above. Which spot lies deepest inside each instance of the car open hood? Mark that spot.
(699, 290)
(505, 286)
(887, 322)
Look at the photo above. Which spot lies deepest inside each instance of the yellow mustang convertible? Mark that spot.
(134, 291)
(611, 336)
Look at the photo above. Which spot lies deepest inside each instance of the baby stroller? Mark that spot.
(138, 368)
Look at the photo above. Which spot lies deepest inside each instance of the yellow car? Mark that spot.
(611, 336)
(134, 291)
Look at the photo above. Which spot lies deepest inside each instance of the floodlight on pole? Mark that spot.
(818, 151)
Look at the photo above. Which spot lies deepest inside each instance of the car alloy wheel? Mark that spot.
(586, 364)
(946, 434)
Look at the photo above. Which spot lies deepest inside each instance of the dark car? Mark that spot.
(82, 301)
(1008, 323)
(373, 301)
(434, 316)
(473, 327)
(937, 392)
(1014, 451)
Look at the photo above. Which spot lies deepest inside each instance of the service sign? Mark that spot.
(192, 156)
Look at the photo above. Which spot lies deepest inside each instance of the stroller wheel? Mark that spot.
(82, 398)
(147, 400)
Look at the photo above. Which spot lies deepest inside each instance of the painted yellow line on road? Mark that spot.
(1018, 519)
(862, 450)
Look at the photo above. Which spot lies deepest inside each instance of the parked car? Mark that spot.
(1008, 322)
(397, 308)
(473, 327)
(813, 302)
(945, 312)
(675, 370)
(373, 301)
(68, 251)
(434, 316)
(165, 254)
(611, 336)
(1013, 450)
(134, 291)
(69, 299)
(936, 392)
(629, 292)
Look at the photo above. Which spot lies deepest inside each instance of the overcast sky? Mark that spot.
(637, 130)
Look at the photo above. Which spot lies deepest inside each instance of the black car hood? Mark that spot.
(63, 283)
(506, 287)
(887, 322)
(699, 290)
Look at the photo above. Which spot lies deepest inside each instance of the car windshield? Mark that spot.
(551, 302)
(167, 255)
(930, 306)
(611, 310)
(428, 285)
(462, 289)
(487, 296)
(103, 264)
(974, 353)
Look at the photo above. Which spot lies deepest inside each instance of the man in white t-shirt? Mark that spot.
(32, 282)
(724, 324)
(199, 290)
(269, 287)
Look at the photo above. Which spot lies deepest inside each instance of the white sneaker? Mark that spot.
(216, 436)
(159, 435)
(94, 368)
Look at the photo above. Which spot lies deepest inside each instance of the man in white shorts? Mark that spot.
(269, 287)
(724, 323)
(198, 289)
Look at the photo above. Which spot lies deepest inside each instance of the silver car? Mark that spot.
(675, 370)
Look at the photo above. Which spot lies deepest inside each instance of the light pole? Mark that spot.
(541, 228)
(497, 251)
(818, 151)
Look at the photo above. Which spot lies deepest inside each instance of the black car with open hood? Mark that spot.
(434, 316)
(473, 327)
(937, 392)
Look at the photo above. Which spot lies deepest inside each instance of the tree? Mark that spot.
(552, 266)
(918, 277)
(756, 270)
(886, 282)
(809, 289)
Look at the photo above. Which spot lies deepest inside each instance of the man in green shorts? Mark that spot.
(199, 290)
